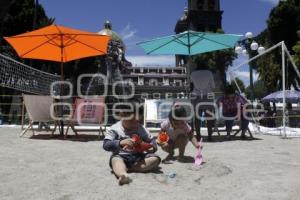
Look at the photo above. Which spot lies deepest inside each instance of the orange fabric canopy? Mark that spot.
(58, 43)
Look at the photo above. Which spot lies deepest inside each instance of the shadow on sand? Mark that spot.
(224, 138)
(75, 138)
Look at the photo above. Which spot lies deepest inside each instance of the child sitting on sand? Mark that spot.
(119, 139)
(179, 133)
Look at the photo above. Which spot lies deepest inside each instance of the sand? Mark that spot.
(77, 168)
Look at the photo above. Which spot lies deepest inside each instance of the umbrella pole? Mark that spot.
(188, 69)
(61, 89)
(62, 71)
(188, 73)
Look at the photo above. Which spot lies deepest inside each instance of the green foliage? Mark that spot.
(296, 49)
(260, 90)
(19, 19)
(269, 71)
(283, 23)
(241, 85)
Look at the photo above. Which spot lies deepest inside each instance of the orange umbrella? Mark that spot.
(58, 43)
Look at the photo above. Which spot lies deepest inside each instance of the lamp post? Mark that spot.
(244, 47)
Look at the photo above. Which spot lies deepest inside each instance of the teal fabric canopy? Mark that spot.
(189, 43)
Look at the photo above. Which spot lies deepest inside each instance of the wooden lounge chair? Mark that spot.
(38, 109)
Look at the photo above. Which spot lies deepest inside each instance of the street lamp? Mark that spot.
(244, 47)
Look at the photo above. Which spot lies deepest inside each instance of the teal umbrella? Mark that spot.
(189, 43)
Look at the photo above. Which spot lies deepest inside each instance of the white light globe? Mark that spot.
(245, 52)
(254, 46)
(249, 35)
(261, 49)
(238, 49)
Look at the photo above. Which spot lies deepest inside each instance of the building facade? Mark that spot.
(157, 82)
(205, 15)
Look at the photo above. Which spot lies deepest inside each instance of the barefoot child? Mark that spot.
(179, 133)
(119, 140)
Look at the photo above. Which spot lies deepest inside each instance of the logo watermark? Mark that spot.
(86, 111)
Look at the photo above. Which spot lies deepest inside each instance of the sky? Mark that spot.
(138, 20)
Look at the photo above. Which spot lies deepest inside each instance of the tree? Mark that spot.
(296, 49)
(18, 17)
(260, 90)
(240, 84)
(283, 23)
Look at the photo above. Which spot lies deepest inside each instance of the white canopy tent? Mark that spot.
(284, 53)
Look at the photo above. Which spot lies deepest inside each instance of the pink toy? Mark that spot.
(199, 157)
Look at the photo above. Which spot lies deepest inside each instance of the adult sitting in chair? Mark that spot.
(232, 109)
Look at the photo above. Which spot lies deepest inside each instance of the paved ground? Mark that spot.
(77, 168)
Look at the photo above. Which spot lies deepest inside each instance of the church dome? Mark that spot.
(114, 36)
(107, 30)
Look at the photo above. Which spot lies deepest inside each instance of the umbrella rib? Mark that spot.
(36, 47)
(89, 46)
(180, 42)
(198, 40)
(50, 42)
(226, 45)
(203, 37)
(174, 39)
(81, 42)
(71, 40)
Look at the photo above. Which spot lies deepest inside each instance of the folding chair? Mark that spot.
(88, 112)
(38, 109)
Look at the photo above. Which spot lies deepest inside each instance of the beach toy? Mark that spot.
(136, 139)
(139, 145)
(142, 147)
(162, 137)
(199, 157)
(171, 175)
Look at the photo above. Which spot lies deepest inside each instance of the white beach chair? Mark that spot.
(38, 109)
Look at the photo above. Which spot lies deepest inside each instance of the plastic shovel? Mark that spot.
(199, 157)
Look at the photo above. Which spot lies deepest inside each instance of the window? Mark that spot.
(200, 4)
(211, 5)
(177, 82)
(141, 81)
(153, 82)
(166, 81)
